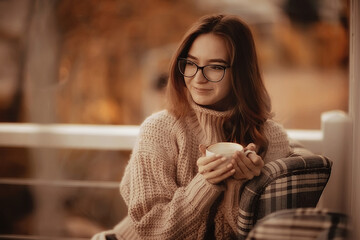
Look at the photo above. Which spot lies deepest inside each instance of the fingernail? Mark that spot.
(229, 165)
(223, 158)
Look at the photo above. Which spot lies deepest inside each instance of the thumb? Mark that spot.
(202, 149)
(251, 146)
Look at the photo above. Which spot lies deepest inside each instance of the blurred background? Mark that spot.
(106, 62)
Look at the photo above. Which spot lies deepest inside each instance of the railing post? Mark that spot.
(354, 111)
(335, 126)
(39, 90)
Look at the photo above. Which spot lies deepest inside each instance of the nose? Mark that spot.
(199, 77)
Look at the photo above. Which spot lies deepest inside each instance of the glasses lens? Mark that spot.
(214, 73)
(187, 68)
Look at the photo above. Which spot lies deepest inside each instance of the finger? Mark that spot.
(215, 164)
(236, 167)
(256, 159)
(258, 162)
(246, 166)
(251, 146)
(247, 173)
(220, 174)
(238, 172)
(222, 177)
(254, 163)
(248, 152)
(202, 149)
(246, 160)
(202, 161)
(211, 166)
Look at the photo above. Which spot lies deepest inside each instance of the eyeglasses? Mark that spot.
(212, 72)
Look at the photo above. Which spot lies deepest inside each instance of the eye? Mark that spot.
(190, 63)
(216, 67)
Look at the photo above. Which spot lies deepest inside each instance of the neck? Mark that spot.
(210, 122)
(225, 104)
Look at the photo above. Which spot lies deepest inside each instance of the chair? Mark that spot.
(293, 182)
(301, 224)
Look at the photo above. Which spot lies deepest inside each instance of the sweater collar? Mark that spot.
(209, 123)
(209, 112)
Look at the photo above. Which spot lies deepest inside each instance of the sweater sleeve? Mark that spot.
(157, 206)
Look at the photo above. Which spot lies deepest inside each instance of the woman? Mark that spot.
(215, 93)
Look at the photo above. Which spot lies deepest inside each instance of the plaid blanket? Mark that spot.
(300, 224)
(293, 182)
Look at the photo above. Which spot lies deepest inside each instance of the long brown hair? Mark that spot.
(252, 101)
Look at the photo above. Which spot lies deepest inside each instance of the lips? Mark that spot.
(202, 90)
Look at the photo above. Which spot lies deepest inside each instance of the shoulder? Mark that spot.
(279, 146)
(158, 122)
(274, 130)
(158, 130)
(157, 138)
(163, 115)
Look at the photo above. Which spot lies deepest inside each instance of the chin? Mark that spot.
(202, 102)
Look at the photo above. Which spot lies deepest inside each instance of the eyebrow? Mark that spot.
(213, 60)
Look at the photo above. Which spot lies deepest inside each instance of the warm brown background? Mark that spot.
(105, 62)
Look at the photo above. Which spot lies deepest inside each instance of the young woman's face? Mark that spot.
(209, 49)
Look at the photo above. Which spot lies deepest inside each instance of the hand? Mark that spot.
(247, 165)
(207, 165)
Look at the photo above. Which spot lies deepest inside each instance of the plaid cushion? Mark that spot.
(293, 182)
(300, 224)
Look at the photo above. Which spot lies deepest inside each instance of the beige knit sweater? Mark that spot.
(166, 197)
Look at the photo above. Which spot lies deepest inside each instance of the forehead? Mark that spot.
(210, 46)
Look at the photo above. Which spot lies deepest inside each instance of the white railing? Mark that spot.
(68, 136)
(328, 141)
(100, 137)
(331, 140)
(71, 136)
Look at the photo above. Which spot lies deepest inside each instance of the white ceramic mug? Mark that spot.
(226, 149)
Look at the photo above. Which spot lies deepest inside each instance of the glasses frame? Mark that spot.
(202, 69)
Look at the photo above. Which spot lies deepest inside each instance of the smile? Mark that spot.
(202, 90)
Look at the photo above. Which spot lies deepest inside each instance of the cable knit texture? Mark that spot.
(166, 197)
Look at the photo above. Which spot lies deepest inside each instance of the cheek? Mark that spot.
(187, 81)
(224, 88)
(223, 92)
